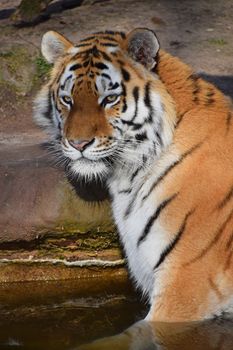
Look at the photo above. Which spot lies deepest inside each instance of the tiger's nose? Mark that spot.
(81, 145)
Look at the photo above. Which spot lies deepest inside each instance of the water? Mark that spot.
(64, 315)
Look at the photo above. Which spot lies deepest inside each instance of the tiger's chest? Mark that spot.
(132, 215)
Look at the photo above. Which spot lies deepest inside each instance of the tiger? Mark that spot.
(120, 109)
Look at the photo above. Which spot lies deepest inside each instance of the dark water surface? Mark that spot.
(61, 315)
(65, 315)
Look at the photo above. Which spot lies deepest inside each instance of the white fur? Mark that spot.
(88, 170)
(53, 46)
(142, 259)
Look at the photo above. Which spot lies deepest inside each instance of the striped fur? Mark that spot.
(163, 141)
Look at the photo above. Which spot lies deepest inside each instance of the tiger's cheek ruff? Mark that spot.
(43, 110)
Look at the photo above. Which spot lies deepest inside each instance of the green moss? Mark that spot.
(58, 242)
(215, 41)
(16, 70)
(15, 59)
(27, 11)
(42, 67)
(21, 71)
(29, 8)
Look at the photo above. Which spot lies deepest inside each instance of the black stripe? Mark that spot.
(60, 75)
(115, 86)
(64, 84)
(117, 128)
(106, 37)
(95, 52)
(125, 191)
(105, 56)
(147, 102)
(121, 63)
(85, 64)
(147, 96)
(76, 66)
(135, 173)
(194, 77)
(229, 242)
(149, 118)
(210, 93)
(109, 44)
(136, 96)
(141, 137)
(92, 51)
(82, 45)
(172, 166)
(172, 245)
(100, 65)
(131, 203)
(106, 76)
(196, 87)
(87, 39)
(229, 120)
(122, 34)
(135, 126)
(209, 97)
(181, 116)
(209, 101)
(125, 74)
(124, 108)
(159, 138)
(216, 238)
(153, 218)
(48, 112)
(227, 198)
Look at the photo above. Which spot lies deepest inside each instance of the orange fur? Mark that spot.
(199, 271)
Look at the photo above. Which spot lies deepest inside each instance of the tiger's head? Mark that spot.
(103, 104)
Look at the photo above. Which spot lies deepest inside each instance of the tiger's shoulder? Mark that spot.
(191, 93)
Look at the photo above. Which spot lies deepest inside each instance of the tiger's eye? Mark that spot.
(110, 98)
(67, 100)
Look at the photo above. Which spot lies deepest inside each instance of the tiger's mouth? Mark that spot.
(93, 152)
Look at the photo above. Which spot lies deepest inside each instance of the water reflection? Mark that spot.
(209, 335)
(62, 315)
(65, 315)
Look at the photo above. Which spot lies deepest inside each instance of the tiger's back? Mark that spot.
(164, 146)
(201, 265)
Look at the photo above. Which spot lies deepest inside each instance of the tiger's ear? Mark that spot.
(54, 45)
(142, 45)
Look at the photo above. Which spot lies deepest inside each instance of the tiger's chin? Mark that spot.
(90, 170)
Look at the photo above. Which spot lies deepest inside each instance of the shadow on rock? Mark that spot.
(92, 191)
(223, 82)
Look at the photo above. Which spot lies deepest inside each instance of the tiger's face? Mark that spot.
(103, 105)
